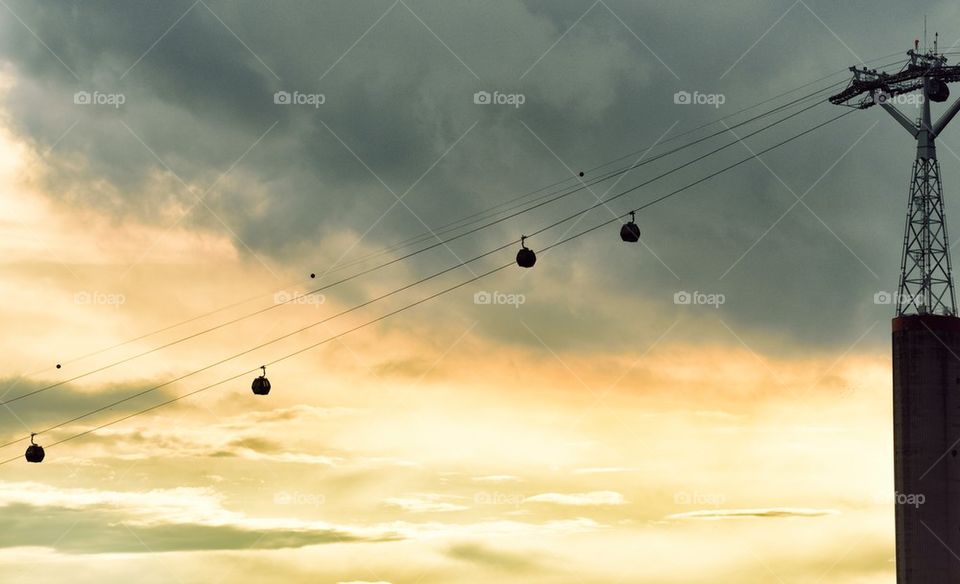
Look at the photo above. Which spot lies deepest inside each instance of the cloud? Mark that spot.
(427, 503)
(155, 439)
(298, 412)
(67, 401)
(607, 469)
(195, 518)
(773, 512)
(579, 499)
(155, 520)
(399, 100)
(498, 479)
(489, 557)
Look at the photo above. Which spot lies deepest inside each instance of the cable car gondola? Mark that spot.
(525, 257)
(261, 385)
(630, 231)
(938, 90)
(34, 452)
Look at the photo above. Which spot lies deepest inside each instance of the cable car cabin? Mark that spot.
(939, 91)
(630, 231)
(34, 452)
(261, 385)
(525, 257)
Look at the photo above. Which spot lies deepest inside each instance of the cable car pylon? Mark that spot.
(926, 330)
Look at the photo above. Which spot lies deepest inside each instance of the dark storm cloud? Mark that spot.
(199, 98)
(399, 98)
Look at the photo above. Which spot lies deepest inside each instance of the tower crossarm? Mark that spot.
(867, 85)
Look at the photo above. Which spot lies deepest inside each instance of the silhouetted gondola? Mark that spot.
(261, 385)
(630, 232)
(939, 91)
(34, 451)
(525, 257)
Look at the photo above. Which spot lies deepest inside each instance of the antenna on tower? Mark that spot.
(924, 33)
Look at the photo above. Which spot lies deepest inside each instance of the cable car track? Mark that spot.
(413, 304)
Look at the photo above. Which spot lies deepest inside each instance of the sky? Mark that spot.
(576, 422)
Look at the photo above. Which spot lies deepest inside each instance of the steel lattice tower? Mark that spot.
(926, 332)
(926, 278)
